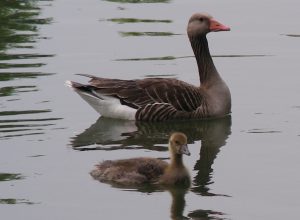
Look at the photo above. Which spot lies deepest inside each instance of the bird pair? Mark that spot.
(160, 99)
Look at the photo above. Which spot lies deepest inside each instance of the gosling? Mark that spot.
(143, 170)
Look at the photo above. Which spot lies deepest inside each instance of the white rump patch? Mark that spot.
(68, 83)
(108, 106)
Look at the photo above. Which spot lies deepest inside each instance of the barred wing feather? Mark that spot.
(144, 93)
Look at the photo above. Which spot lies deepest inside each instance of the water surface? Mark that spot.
(243, 167)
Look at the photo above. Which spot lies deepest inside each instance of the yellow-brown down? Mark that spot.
(143, 170)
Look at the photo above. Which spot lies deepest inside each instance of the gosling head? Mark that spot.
(178, 144)
(202, 23)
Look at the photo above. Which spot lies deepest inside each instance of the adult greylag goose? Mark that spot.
(144, 170)
(161, 99)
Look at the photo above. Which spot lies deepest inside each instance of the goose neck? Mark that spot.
(206, 67)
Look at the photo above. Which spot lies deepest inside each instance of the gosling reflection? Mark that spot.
(178, 203)
(178, 206)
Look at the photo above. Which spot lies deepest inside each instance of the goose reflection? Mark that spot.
(113, 134)
(213, 136)
(202, 214)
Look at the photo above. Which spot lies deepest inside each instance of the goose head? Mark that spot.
(201, 23)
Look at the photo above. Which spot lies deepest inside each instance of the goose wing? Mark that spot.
(155, 94)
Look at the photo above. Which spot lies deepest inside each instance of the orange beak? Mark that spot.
(217, 26)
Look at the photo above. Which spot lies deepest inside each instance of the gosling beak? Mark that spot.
(185, 150)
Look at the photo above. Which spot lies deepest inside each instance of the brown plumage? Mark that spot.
(160, 99)
(144, 170)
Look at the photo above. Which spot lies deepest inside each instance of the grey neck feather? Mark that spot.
(176, 160)
(206, 67)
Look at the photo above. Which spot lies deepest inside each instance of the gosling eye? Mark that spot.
(177, 142)
(201, 19)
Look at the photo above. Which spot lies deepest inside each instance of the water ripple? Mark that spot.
(136, 20)
(139, 1)
(10, 176)
(10, 90)
(183, 57)
(292, 35)
(20, 22)
(147, 33)
(262, 131)
(6, 76)
(11, 201)
(5, 113)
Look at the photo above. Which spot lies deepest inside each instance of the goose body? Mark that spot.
(142, 170)
(161, 99)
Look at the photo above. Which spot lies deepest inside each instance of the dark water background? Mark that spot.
(243, 167)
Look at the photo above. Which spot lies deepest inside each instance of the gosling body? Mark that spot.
(144, 170)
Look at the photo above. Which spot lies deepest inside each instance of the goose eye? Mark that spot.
(201, 19)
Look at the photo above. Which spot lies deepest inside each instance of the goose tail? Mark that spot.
(107, 106)
(87, 93)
